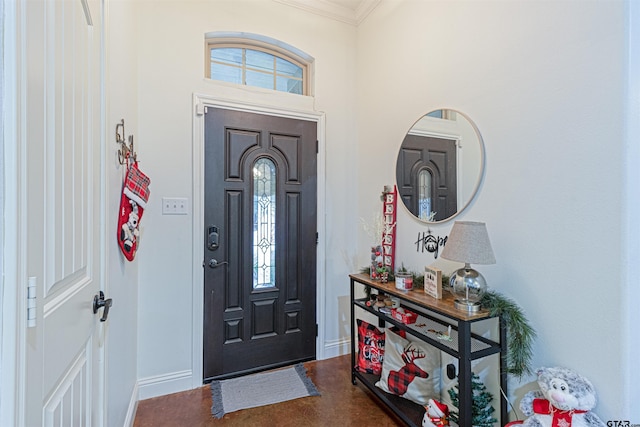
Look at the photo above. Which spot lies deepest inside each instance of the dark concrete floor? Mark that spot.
(340, 404)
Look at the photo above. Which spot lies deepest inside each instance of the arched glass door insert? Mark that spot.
(424, 195)
(264, 224)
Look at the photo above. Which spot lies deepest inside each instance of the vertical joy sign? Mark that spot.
(389, 201)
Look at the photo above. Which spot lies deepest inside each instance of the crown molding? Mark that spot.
(334, 10)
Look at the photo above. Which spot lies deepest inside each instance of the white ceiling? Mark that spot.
(349, 11)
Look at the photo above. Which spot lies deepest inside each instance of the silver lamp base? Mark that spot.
(470, 307)
(467, 286)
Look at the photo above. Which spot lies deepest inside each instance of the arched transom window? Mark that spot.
(256, 64)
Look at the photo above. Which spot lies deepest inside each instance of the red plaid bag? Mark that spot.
(135, 194)
(371, 347)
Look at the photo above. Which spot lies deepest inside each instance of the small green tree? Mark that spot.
(481, 408)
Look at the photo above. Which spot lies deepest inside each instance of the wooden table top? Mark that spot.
(419, 297)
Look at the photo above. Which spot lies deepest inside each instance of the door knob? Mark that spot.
(213, 263)
(98, 302)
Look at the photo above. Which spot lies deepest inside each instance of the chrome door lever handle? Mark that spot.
(213, 263)
(98, 302)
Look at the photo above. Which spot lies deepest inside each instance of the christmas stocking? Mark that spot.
(135, 193)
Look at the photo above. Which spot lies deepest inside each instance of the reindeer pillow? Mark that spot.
(410, 369)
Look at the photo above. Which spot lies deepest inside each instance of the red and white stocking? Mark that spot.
(135, 194)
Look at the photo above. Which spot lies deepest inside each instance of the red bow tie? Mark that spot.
(561, 418)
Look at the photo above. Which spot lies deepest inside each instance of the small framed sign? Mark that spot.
(433, 282)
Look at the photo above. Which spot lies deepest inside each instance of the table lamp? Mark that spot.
(469, 243)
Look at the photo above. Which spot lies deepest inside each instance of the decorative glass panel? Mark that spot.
(226, 73)
(284, 84)
(289, 69)
(255, 78)
(259, 60)
(424, 196)
(264, 224)
(226, 64)
(227, 55)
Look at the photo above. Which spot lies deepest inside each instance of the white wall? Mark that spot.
(545, 84)
(632, 211)
(121, 282)
(171, 67)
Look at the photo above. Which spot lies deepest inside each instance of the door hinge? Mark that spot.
(31, 302)
(317, 147)
(201, 109)
(316, 329)
(317, 238)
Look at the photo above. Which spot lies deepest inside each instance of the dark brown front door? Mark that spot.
(436, 159)
(260, 242)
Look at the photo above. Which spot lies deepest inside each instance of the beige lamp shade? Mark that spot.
(469, 242)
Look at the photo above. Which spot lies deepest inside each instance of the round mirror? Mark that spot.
(440, 165)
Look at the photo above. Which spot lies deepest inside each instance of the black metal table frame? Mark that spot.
(464, 353)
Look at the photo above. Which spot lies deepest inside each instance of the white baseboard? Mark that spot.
(161, 385)
(337, 348)
(133, 406)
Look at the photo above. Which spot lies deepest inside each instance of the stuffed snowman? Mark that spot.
(565, 399)
(436, 415)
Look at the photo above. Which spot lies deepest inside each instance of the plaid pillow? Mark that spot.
(410, 369)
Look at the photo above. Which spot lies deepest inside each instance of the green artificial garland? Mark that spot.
(520, 334)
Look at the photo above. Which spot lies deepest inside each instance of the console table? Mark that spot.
(465, 345)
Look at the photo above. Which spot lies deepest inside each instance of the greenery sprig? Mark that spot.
(520, 334)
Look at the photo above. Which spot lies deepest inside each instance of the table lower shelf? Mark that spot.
(410, 412)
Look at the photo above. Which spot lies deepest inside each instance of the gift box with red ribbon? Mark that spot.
(403, 315)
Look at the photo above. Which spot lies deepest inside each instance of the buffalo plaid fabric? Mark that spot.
(399, 380)
(370, 348)
(135, 194)
(136, 185)
(405, 366)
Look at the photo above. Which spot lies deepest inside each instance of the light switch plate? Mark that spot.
(174, 206)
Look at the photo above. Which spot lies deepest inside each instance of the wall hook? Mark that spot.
(126, 151)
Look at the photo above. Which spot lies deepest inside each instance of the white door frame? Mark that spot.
(304, 111)
(12, 313)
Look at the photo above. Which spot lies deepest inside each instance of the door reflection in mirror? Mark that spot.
(440, 165)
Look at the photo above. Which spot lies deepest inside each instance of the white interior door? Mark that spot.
(60, 125)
